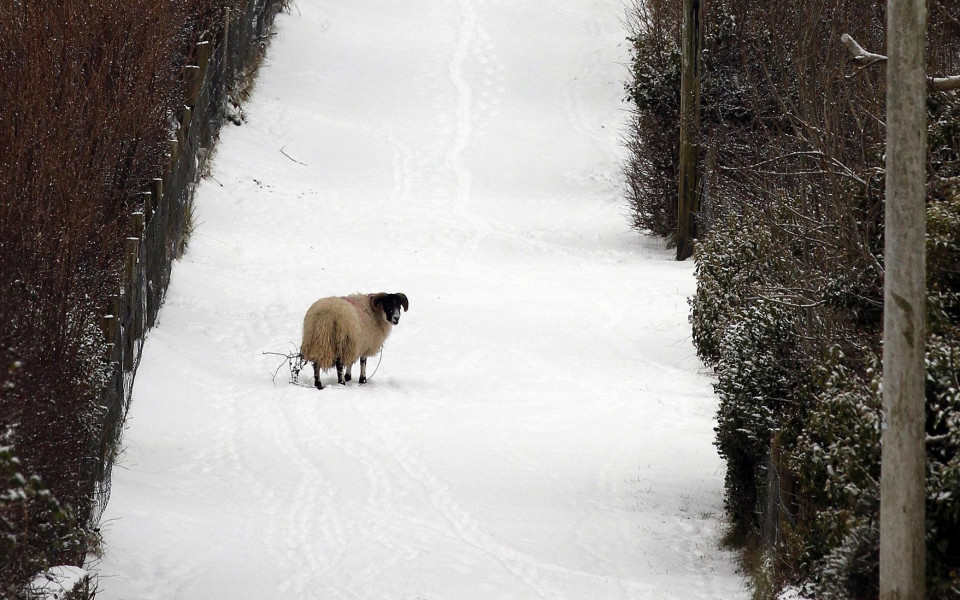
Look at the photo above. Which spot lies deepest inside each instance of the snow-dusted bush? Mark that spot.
(34, 527)
(800, 377)
(751, 342)
(943, 465)
(943, 261)
(850, 571)
(836, 461)
(652, 135)
(758, 383)
(729, 268)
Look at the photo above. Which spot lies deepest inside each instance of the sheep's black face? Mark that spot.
(391, 305)
(393, 315)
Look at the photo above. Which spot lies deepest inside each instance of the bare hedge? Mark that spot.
(90, 91)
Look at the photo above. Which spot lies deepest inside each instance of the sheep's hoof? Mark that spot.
(347, 377)
(318, 385)
(362, 379)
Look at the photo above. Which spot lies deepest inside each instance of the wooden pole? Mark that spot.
(186, 119)
(173, 155)
(902, 479)
(226, 49)
(139, 222)
(688, 202)
(156, 190)
(204, 49)
(193, 83)
(147, 206)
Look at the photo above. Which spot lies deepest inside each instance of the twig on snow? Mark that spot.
(293, 360)
(292, 158)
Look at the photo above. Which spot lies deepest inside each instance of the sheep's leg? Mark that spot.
(363, 370)
(340, 373)
(316, 376)
(347, 376)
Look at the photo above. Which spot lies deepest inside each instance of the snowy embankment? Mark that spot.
(539, 427)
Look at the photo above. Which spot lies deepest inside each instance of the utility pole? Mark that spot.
(688, 201)
(902, 479)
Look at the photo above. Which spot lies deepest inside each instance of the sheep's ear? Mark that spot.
(403, 301)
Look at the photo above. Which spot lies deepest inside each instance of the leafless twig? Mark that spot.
(294, 360)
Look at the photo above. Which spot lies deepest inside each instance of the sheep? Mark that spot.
(338, 330)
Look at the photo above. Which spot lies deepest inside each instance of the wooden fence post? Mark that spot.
(108, 325)
(226, 36)
(194, 82)
(147, 207)
(131, 260)
(116, 309)
(139, 223)
(156, 191)
(174, 153)
(186, 118)
(204, 50)
(688, 203)
(131, 297)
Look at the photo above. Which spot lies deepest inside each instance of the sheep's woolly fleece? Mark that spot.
(539, 427)
(343, 328)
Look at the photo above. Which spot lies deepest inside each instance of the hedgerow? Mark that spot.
(789, 301)
(88, 94)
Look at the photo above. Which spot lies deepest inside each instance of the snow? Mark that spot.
(791, 593)
(539, 427)
(57, 583)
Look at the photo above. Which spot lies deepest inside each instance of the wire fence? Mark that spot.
(219, 64)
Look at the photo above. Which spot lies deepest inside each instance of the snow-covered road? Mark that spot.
(539, 426)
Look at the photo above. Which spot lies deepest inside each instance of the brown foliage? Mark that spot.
(87, 94)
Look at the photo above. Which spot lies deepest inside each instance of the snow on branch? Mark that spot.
(943, 84)
(934, 84)
(859, 54)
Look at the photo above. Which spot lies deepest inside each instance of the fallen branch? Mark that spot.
(292, 158)
(293, 360)
(866, 59)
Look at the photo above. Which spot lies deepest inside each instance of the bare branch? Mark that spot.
(866, 59)
(947, 14)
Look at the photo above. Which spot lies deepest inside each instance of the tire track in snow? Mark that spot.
(590, 68)
(463, 127)
(464, 526)
(469, 35)
(225, 452)
(380, 503)
(315, 517)
(402, 163)
(545, 579)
